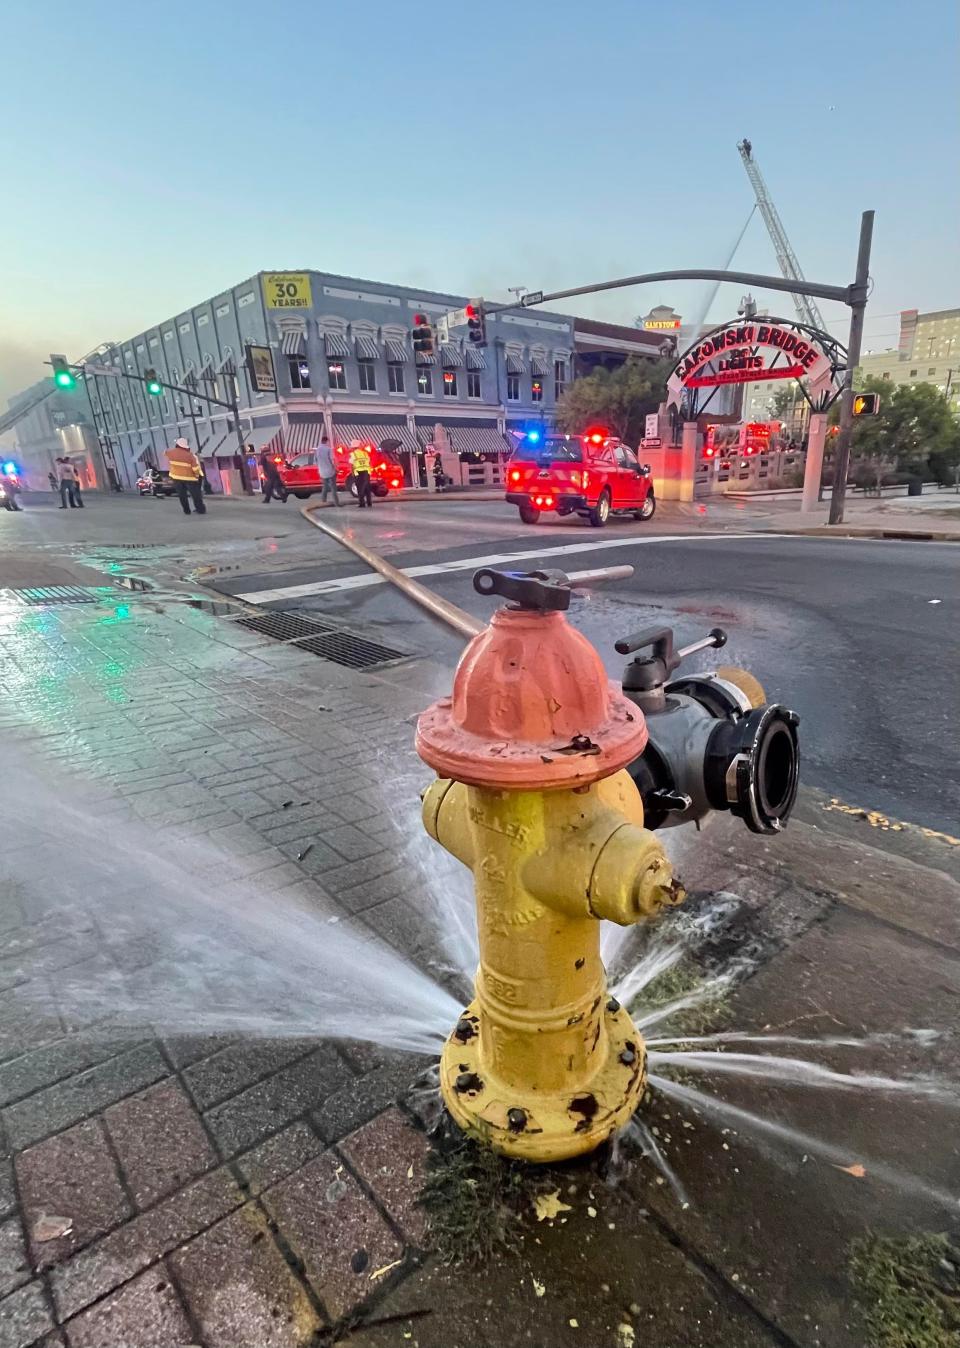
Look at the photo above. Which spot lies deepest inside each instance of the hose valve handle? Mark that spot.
(648, 674)
(537, 591)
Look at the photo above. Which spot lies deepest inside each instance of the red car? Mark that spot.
(592, 475)
(302, 477)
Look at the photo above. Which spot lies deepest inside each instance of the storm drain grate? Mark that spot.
(284, 626)
(320, 638)
(343, 648)
(61, 594)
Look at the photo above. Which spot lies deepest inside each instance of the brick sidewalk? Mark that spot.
(219, 1190)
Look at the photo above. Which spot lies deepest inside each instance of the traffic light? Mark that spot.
(422, 334)
(866, 404)
(153, 384)
(63, 376)
(476, 323)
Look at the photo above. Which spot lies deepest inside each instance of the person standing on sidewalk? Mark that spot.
(360, 464)
(272, 481)
(77, 484)
(66, 480)
(327, 468)
(186, 474)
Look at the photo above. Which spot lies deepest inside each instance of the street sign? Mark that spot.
(111, 370)
(651, 426)
(532, 297)
(651, 442)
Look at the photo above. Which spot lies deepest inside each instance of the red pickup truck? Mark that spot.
(592, 475)
(301, 476)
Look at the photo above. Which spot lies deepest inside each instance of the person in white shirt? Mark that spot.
(327, 467)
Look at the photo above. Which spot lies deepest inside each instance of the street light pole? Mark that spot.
(858, 304)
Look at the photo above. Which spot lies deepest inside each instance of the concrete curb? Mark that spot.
(871, 531)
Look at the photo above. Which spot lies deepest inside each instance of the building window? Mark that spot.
(473, 384)
(449, 383)
(932, 370)
(559, 378)
(425, 382)
(536, 390)
(299, 372)
(513, 388)
(395, 378)
(336, 374)
(913, 374)
(368, 376)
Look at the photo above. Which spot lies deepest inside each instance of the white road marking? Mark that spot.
(367, 578)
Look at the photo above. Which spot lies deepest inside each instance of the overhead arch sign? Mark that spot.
(747, 353)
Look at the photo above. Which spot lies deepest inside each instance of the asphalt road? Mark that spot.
(859, 637)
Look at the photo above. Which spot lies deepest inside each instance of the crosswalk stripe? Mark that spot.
(368, 578)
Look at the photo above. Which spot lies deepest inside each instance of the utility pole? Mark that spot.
(858, 304)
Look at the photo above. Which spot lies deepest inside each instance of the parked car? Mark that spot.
(155, 482)
(301, 476)
(593, 475)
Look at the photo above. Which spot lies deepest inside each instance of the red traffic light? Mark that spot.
(420, 320)
(470, 310)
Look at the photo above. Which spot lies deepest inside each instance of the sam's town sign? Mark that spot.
(733, 355)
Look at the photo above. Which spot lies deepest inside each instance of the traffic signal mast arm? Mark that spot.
(851, 294)
(142, 379)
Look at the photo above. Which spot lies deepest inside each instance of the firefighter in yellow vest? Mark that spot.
(360, 464)
(187, 476)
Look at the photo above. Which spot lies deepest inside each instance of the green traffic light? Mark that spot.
(154, 388)
(64, 379)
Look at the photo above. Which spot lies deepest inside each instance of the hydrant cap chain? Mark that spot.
(532, 708)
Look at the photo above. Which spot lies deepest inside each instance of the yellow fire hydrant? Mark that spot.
(543, 1064)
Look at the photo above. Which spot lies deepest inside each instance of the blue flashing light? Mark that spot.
(533, 437)
(10, 468)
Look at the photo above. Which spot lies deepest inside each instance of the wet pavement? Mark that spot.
(219, 1184)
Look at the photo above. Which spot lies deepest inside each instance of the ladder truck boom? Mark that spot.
(10, 418)
(805, 305)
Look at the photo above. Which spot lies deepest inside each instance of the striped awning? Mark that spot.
(372, 434)
(451, 356)
(190, 379)
(479, 440)
(425, 358)
(538, 365)
(366, 348)
(207, 373)
(228, 365)
(293, 343)
(396, 352)
(299, 436)
(515, 364)
(476, 360)
(335, 345)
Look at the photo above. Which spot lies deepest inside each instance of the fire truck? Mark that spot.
(750, 437)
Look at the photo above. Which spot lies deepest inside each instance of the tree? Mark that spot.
(619, 398)
(945, 462)
(914, 425)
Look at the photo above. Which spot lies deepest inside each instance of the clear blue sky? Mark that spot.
(153, 154)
